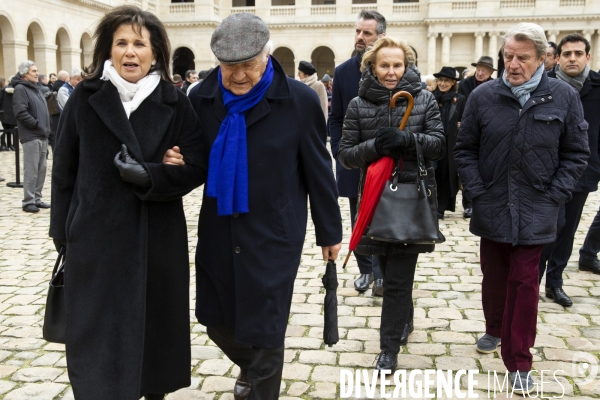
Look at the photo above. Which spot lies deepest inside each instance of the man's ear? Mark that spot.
(381, 35)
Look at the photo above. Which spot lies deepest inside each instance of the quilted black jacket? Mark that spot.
(371, 111)
(519, 164)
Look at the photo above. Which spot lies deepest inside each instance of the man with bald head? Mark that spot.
(266, 137)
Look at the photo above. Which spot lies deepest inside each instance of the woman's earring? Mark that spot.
(153, 63)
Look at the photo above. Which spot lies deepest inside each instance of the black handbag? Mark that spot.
(407, 212)
(54, 317)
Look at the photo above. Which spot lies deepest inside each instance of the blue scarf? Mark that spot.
(228, 161)
(523, 91)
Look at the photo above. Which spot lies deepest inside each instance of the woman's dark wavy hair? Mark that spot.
(138, 19)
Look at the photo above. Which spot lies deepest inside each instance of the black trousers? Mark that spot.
(263, 367)
(6, 138)
(591, 245)
(366, 264)
(557, 254)
(397, 310)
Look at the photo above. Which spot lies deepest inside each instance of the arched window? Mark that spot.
(285, 57)
(183, 60)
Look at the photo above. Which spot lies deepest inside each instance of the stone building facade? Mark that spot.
(57, 34)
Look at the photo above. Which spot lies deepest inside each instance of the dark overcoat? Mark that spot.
(345, 88)
(467, 85)
(446, 173)
(590, 100)
(127, 266)
(246, 263)
(517, 163)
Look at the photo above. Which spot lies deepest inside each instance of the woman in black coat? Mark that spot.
(370, 132)
(451, 106)
(127, 263)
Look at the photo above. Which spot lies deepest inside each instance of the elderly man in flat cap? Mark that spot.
(266, 135)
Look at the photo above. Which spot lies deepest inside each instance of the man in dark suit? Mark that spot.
(484, 68)
(573, 55)
(370, 27)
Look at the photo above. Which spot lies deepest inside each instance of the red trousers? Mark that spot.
(510, 291)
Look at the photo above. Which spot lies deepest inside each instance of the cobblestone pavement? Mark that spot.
(448, 316)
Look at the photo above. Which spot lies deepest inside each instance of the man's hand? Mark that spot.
(173, 157)
(331, 252)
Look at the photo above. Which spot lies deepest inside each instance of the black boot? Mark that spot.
(387, 360)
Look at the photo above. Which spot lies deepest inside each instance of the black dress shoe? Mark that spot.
(41, 204)
(30, 208)
(363, 282)
(440, 215)
(378, 288)
(591, 265)
(387, 360)
(559, 296)
(3, 148)
(468, 212)
(11, 148)
(241, 390)
(408, 329)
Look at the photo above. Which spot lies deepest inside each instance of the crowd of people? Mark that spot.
(130, 140)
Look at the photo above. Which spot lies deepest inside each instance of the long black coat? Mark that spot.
(246, 264)
(518, 164)
(127, 265)
(345, 88)
(590, 100)
(467, 85)
(446, 173)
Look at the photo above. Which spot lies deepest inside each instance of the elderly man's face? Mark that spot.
(483, 73)
(240, 78)
(32, 75)
(520, 61)
(74, 80)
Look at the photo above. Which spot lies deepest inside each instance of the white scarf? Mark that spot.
(131, 94)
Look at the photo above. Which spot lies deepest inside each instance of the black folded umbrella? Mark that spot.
(330, 330)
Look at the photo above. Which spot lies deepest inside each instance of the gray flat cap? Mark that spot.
(239, 38)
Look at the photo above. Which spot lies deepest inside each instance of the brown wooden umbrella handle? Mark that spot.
(409, 107)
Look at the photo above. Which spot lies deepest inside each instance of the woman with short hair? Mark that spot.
(370, 131)
(119, 212)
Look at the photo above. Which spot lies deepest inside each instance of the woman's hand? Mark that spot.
(131, 171)
(390, 139)
(173, 157)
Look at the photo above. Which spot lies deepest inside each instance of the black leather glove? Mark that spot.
(392, 139)
(131, 171)
(58, 243)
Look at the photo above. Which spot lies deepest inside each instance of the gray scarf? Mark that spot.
(575, 81)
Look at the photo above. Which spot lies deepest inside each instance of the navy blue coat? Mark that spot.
(246, 264)
(590, 99)
(345, 88)
(517, 163)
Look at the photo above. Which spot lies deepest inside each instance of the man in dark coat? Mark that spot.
(484, 68)
(54, 109)
(250, 242)
(573, 67)
(33, 121)
(370, 27)
(521, 148)
(7, 117)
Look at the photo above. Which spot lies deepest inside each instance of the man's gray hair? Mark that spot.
(24, 66)
(267, 50)
(372, 14)
(75, 72)
(529, 31)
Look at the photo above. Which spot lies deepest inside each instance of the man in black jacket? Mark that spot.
(521, 148)
(573, 67)
(33, 121)
(370, 27)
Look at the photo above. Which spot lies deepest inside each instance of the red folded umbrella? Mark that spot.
(377, 174)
